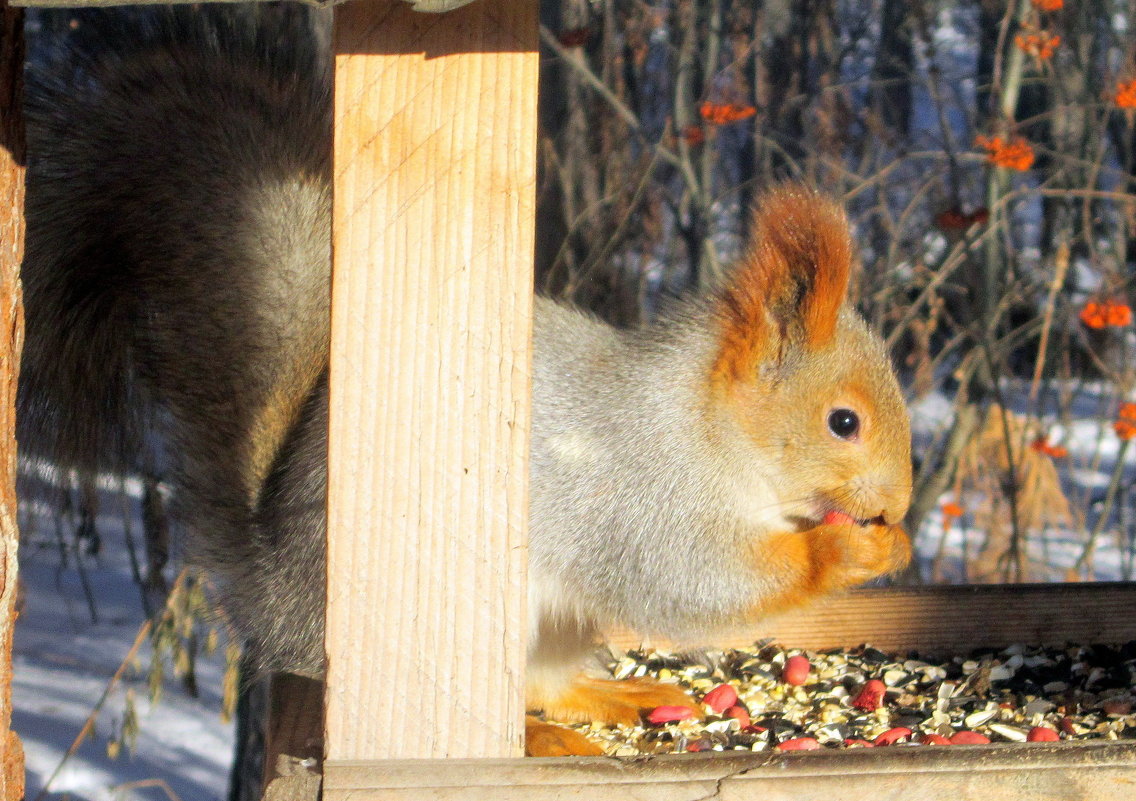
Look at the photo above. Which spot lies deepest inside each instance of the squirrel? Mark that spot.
(747, 452)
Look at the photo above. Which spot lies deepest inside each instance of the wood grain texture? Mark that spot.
(1100, 771)
(11, 341)
(943, 619)
(435, 136)
(295, 721)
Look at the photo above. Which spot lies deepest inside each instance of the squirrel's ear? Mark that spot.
(789, 286)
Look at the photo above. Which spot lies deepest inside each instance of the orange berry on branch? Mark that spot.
(952, 509)
(1125, 425)
(725, 113)
(1014, 153)
(1105, 314)
(1118, 314)
(1041, 44)
(1125, 95)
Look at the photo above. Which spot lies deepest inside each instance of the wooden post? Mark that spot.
(435, 137)
(11, 339)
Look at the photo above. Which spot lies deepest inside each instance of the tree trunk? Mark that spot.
(11, 337)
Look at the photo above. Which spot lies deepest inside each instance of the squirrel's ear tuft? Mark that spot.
(790, 285)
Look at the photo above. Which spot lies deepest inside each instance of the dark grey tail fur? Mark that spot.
(176, 285)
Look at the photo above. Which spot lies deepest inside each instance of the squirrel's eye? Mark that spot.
(844, 423)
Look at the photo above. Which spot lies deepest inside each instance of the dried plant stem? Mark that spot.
(144, 783)
(1013, 555)
(132, 546)
(712, 267)
(1060, 269)
(1086, 558)
(968, 417)
(695, 198)
(605, 252)
(576, 61)
(89, 723)
(1008, 83)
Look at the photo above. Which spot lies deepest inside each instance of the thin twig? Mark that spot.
(575, 60)
(1086, 557)
(89, 723)
(1060, 268)
(144, 783)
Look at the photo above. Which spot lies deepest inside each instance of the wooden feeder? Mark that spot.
(434, 170)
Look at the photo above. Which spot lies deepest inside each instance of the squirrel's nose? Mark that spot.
(895, 506)
(893, 515)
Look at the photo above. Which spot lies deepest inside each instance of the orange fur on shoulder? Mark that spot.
(790, 284)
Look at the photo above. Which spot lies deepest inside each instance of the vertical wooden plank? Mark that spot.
(432, 301)
(11, 339)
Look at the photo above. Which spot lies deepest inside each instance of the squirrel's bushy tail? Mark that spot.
(86, 287)
(176, 284)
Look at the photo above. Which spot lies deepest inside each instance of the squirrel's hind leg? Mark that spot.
(549, 740)
(616, 702)
(558, 690)
(590, 700)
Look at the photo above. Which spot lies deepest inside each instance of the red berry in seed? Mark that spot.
(969, 738)
(1067, 726)
(1042, 734)
(871, 695)
(934, 739)
(858, 743)
(721, 698)
(668, 714)
(892, 736)
(739, 714)
(799, 744)
(796, 670)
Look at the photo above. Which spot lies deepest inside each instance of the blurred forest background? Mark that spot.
(985, 152)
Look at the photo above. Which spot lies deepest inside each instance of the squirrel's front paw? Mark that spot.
(806, 565)
(862, 553)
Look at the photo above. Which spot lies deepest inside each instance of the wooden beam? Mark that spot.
(295, 720)
(11, 340)
(1100, 770)
(943, 619)
(435, 137)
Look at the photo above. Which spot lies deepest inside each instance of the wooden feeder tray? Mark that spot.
(941, 620)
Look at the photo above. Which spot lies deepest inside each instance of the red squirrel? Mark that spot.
(747, 452)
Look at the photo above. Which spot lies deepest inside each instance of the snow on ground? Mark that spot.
(62, 663)
(1085, 475)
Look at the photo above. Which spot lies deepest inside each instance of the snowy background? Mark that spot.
(63, 662)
